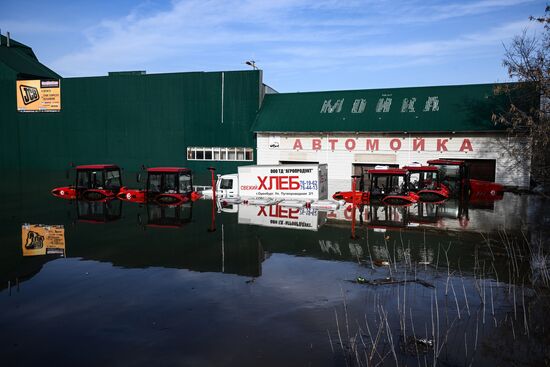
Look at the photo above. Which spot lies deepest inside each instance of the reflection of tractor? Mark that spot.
(168, 216)
(455, 174)
(165, 185)
(424, 213)
(384, 217)
(426, 183)
(93, 182)
(98, 211)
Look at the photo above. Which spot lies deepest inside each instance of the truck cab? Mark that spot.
(93, 182)
(227, 186)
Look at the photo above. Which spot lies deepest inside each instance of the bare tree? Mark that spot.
(527, 60)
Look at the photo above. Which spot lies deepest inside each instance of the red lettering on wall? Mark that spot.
(297, 145)
(442, 145)
(316, 144)
(372, 144)
(350, 144)
(419, 144)
(395, 144)
(466, 146)
(333, 143)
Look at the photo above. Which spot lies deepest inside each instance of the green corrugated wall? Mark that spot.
(132, 120)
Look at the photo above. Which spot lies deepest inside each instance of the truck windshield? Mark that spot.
(226, 184)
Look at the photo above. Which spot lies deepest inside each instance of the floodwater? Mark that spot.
(232, 285)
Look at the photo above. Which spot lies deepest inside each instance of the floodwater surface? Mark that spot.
(234, 285)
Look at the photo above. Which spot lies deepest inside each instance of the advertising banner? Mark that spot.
(307, 182)
(40, 239)
(38, 95)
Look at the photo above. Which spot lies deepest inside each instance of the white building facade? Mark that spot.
(345, 153)
(352, 131)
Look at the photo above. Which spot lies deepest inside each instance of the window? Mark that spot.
(112, 180)
(169, 183)
(226, 184)
(185, 184)
(220, 154)
(155, 181)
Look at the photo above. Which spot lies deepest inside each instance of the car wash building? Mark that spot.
(355, 130)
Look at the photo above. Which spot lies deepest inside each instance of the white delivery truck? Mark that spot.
(307, 182)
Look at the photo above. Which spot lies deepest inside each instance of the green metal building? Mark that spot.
(129, 118)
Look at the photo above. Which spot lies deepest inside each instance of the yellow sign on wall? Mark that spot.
(38, 95)
(40, 239)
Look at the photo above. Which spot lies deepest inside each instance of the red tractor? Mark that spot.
(389, 186)
(165, 185)
(94, 182)
(425, 181)
(455, 175)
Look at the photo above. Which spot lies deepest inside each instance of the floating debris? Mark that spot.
(389, 281)
(417, 346)
(381, 263)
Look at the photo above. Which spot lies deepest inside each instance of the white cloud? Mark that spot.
(285, 34)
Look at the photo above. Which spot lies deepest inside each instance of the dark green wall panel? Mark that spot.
(132, 120)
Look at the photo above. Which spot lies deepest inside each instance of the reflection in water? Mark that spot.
(159, 289)
(511, 214)
(281, 217)
(98, 211)
(174, 216)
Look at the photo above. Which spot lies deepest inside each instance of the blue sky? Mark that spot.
(301, 45)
